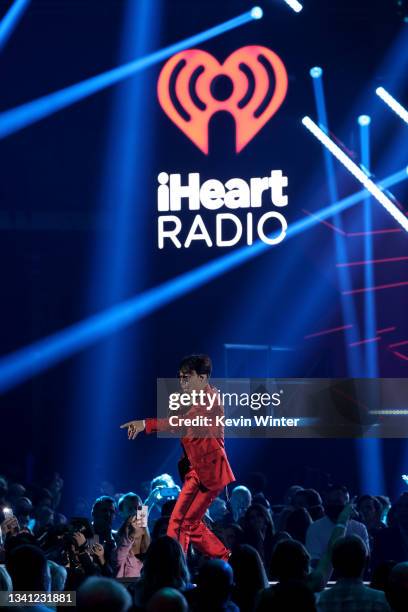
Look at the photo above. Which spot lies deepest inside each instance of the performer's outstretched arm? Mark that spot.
(148, 425)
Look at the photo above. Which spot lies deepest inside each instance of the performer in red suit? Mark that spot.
(204, 463)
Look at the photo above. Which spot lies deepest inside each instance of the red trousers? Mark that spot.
(186, 522)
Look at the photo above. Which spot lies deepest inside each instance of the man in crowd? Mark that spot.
(239, 503)
(397, 588)
(103, 513)
(318, 534)
(349, 559)
(392, 542)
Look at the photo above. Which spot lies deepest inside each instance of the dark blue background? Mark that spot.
(58, 165)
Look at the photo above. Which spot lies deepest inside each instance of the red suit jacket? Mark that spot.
(206, 455)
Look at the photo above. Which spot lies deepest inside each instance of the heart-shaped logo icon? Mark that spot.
(258, 83)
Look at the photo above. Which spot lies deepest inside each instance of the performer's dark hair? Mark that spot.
(199, 363)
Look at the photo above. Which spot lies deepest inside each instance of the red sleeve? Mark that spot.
(153, 425)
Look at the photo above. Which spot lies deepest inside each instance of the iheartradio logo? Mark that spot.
(225, 229)
(258, 83)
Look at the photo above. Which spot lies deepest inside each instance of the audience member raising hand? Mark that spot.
(133, 540)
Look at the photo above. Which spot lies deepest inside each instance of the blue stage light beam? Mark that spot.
(353, 356)
(11, 19)
(392, 103)
(294, 5)
(369, 297)
(369, 450)
(22, 116)
(41, 355)
(389, 206)
(130, 137)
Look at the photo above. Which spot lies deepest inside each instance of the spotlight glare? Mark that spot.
(397, 214)
(392, 103)
(347, 306)
(257, 12)
(316, 72)
(364, 120)
(11, 19)
(294, 5)
(26, 114)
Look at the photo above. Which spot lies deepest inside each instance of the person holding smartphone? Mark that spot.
(204, 466)
(133, 540)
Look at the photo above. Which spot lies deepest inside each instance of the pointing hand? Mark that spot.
(133, 427)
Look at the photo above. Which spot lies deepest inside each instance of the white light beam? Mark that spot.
(375, 191)
(294, 5)
(392, 103)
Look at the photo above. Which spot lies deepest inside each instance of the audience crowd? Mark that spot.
(316, 551)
